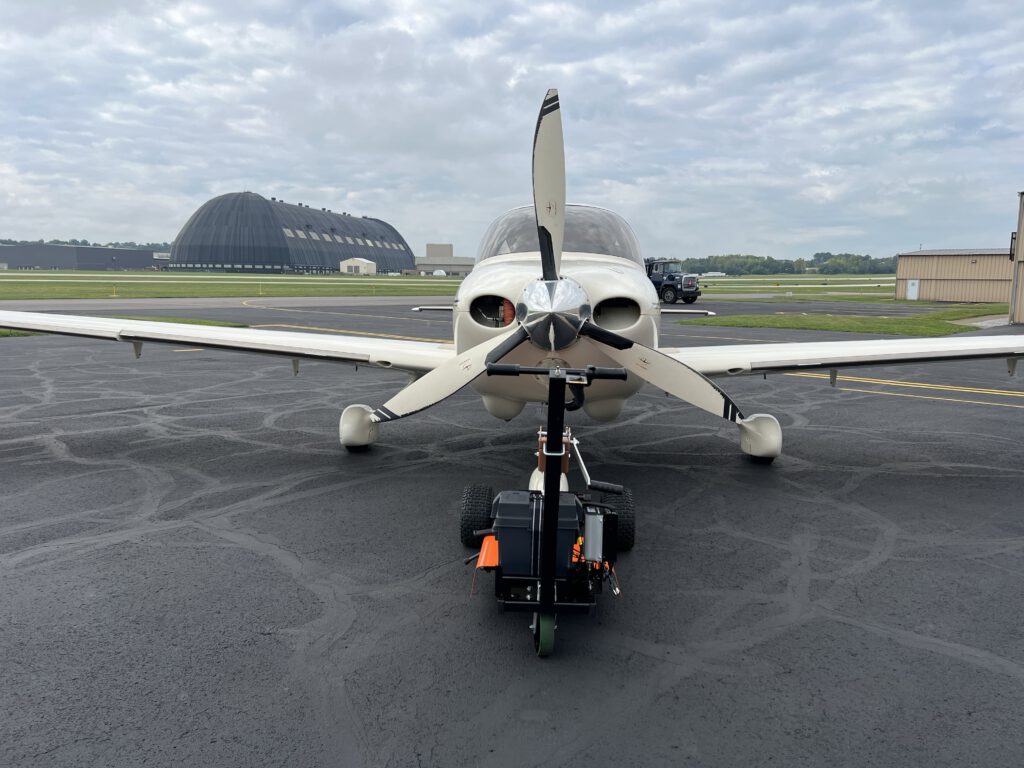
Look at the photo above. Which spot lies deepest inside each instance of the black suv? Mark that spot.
(671, 283)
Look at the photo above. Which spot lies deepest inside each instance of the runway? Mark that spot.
(195, 573)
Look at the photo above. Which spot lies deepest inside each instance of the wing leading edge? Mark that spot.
(796, 356)
(416, 357)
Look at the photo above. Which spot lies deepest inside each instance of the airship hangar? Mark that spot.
(245, 232)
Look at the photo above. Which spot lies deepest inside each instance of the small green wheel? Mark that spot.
(544, 633)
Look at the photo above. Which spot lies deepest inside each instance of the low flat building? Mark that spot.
(85, 257)
(441, 258)
(965, 274)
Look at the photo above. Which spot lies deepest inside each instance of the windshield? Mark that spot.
(587, 230)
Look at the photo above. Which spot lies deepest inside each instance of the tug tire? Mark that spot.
(543, 633)
(622, 504)
(475, 513)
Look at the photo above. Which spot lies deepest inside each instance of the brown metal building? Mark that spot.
(970, 274)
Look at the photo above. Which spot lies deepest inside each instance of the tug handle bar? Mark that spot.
(591, 372)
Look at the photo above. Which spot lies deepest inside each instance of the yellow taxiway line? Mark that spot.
(920, 385)
(915, 385)
(930, 397)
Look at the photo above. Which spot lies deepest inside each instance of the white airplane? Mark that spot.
(555, 285)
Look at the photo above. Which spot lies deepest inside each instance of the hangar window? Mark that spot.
(360, 242)
(338, 238)
(287, 232)
(369, 242)
(300, 233)
(314, 235)
(350, 240)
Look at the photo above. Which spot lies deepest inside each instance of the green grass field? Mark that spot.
(925, 324)
(799, 285)
(150, 285)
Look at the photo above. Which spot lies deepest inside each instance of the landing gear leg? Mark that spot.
(543, 633)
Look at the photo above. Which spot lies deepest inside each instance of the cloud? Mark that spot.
(756, 127)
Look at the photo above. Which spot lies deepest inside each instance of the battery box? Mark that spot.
(517, 526)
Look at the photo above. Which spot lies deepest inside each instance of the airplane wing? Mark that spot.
(416, 357)
(740, 359)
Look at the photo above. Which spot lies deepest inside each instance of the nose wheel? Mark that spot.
(543, 633)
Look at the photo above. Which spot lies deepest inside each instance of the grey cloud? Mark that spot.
(760, 127)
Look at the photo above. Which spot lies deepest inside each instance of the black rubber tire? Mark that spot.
(689, 299)
(622, 504)
(475, 513)
(669, 295)
(544, 633)
(761, 459)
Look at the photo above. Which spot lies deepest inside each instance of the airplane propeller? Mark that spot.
(551, 314)
(554, 312)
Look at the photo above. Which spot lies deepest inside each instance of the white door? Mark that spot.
(912, 289)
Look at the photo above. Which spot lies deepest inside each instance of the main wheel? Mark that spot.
(475, 513)
(689, 299)
(622, 504)
(543, 633)
(669, 296)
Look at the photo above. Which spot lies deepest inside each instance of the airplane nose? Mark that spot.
(553, 311)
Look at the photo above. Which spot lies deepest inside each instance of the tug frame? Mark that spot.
(551, 550)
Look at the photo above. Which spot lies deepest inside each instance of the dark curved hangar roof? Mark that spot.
(244, 231)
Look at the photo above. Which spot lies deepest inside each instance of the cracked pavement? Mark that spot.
(194, 572)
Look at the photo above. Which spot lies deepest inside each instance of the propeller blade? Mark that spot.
(445, 380)
(664, 372)
(511, 342)
(549, 184)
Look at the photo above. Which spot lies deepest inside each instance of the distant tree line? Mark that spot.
(73, 241)
(825, 263)
(852, 264)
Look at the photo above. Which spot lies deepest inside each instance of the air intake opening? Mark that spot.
(617, 314)
(492, 311)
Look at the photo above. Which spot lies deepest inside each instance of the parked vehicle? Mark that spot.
(671, 283)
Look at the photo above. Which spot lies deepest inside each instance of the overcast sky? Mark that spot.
(713, 127)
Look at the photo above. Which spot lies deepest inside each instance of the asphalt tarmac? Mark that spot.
(195, 573)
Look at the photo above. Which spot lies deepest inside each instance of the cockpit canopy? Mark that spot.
(587, 230)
